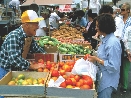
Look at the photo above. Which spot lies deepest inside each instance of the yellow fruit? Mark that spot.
(69, 86)
(30, 81)
(11, 82)
(25, 82)
(35, 81)
(21, 76)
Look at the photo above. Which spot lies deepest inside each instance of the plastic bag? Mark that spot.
(84, 67)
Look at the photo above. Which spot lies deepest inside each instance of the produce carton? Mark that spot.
(77, 56)
(50, 49)
(66, 57)
(23, 90)
(87, 45)
(70, 92)
(52, 57)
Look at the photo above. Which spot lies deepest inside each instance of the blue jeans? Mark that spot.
(106, 93)
(2, 74)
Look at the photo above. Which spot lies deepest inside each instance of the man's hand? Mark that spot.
(35, 65)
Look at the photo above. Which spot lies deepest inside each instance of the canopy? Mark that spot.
(47, 2)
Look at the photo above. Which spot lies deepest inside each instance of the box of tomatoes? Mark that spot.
(69, 85)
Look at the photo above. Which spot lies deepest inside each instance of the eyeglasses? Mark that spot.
(123, 9)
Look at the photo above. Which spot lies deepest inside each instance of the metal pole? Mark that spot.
(103, 2)
(6, 9)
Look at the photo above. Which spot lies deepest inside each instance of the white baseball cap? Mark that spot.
(30, 16)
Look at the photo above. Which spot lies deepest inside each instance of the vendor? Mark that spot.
(54, 19)
(14, 4)
(12, 49)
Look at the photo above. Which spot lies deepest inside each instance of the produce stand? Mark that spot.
(20, 90)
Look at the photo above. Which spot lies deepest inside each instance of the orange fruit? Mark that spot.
(40, 69)
(11, 83)
(54, 78)
(45, 70)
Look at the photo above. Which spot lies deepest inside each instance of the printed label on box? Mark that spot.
(79, 57)
(66, 57)
(45, 57)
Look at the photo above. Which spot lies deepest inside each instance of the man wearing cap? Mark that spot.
(12, 49)
(43, 24)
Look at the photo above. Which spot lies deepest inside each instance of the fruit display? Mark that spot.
(72, 81)
(22, 80)
(49, 66)
(67, 32)
(76, 81)
(72, 49)
(65, 67)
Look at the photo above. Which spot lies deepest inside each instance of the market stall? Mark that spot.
(64, 47)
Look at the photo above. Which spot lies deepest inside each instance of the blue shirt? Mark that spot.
(12, 49)
(82, 22)
(110, 52)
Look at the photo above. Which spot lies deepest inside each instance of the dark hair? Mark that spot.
(56, 7)
(90, 14)
(80, 13)
(106, 9)
(106, 23)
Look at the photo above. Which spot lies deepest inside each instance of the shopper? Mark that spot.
(125, 12)
(108, 56)
(119, 30)
(90, 28)
(81, 20)
(12, 54)
(127, 41)
(43, 24)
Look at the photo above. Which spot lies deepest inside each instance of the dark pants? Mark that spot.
(122, 63)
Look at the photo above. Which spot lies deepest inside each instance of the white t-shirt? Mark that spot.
(54, 20)
(119, 27)
(15, 3)
(40, 31)
(127, 38)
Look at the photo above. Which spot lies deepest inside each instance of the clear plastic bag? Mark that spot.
(84, 67)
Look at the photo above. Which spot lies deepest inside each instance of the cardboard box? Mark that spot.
(77, 56)
(71, 93)
(46, 57)
(66, 57)
(19, 90)
(87, 45)
(50, 49)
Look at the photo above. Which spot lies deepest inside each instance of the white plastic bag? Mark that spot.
(84, 67)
